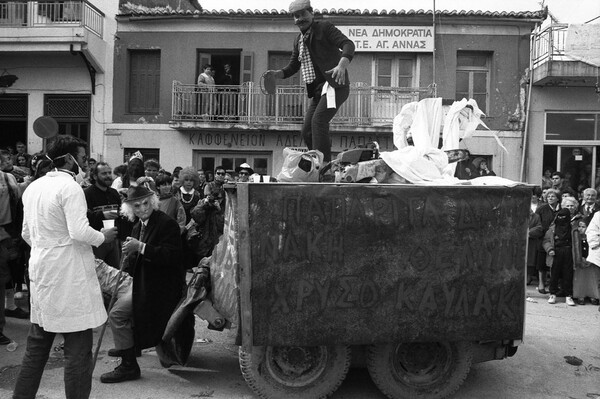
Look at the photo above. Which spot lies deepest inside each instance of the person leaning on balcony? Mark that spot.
(317, 54)
(207, 82)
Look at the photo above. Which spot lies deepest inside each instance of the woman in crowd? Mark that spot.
(23, 163)
(481, 168)
(188, 193)
(168, 203)
(189, 196)
(547, 178)
(536, 232)
(547, 213)
(558, 244)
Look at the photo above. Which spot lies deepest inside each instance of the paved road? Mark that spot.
(537, 371)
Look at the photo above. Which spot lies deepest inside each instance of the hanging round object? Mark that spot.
(45, 127)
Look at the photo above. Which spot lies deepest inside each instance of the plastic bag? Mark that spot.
(300, 166)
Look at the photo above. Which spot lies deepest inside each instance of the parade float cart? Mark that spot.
(426, 280)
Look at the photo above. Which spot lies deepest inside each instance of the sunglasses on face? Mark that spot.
(220, 173)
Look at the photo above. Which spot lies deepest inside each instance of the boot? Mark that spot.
(128, 370)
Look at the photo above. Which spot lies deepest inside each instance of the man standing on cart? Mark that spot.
(317, 53)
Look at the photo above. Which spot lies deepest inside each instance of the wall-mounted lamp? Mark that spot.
(7, 80)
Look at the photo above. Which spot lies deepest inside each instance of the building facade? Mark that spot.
(400, 57)
(563, 133)
(58, 55)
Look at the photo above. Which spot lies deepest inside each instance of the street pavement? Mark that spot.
(537, 371)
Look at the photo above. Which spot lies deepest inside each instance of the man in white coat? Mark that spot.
(65, 293)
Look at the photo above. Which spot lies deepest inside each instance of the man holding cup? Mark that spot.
(103, 204)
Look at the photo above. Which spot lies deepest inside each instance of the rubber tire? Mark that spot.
(448, 367)
(260, 370)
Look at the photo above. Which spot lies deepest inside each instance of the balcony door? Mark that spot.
(390, 74)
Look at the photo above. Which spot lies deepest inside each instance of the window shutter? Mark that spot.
(247, 66)
(144, 81)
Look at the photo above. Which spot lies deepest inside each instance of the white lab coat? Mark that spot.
(65, 293)
(593, 238)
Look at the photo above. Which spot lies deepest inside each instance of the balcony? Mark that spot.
(367, 107)
(552, 66)
(64, 26)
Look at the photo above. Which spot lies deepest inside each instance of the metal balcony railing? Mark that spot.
(52, 14)
(366, 106)
(549, 44)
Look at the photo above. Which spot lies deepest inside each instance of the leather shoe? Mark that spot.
(581, 301)
(17, 313)
(4, 340)
(121, 373)
(594, 301)
(542, 291)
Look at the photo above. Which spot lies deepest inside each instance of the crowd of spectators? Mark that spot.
(145, 203)
(564, 241)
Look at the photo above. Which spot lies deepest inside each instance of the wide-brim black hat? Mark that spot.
(137, 193)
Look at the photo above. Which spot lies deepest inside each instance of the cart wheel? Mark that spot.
(428, 370)
(295, 371)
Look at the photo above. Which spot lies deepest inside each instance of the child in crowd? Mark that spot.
(586, 275)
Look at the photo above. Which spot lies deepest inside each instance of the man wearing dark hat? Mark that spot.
(322, 53)
(244, 172)
(154, 262)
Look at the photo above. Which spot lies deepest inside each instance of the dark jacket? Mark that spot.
(587, 216)
(536, 232)
(158, 278)
(546, 215)
(326, 45)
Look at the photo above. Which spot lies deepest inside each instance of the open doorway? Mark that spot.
(13, 120)
(218, 59)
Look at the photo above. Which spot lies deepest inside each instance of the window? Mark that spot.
(472, 77)
(394, 71)
(259, 161)
(72, 112)
(572, 126)
(144, 81)
(278, 60)
(291, 98)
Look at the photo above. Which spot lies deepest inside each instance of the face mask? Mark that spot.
(80, 175)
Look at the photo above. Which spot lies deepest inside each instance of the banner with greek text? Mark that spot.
(390, 38)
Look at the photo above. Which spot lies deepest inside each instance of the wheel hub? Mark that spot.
(421, 363)
(296, 366)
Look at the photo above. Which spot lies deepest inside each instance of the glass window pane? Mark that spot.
(462, 82)
(385, 66)
(481, 102)
(576, 164)
(405, 82)
(479, 82)
(227, 163)
(260, 166)
(563, 126)
(405, 67)
(384, 81)
(471, 60)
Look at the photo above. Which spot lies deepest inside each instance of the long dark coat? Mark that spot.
(158, 278)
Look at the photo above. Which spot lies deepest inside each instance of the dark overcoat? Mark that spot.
(158, 278)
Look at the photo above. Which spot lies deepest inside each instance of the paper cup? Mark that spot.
(109, 223)
(266, 178)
